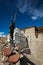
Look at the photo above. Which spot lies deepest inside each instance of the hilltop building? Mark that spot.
(34, 41)
(31, 37)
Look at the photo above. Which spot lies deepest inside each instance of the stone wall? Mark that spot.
(35, 44)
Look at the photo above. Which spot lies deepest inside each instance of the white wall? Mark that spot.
(35, 44)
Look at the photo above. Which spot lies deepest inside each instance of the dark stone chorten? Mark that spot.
(12, 27)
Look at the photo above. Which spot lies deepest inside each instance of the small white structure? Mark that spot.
(19, 38)
(17, 32)
(8, 38)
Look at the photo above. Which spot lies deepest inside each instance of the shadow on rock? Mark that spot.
(26, 61)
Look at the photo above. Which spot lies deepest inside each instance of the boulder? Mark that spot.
(14, 58)
(7, 51)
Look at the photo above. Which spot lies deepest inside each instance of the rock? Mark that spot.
(0, 52)
(14, 58)
(7, 51)
(4, 59)
(7, 63)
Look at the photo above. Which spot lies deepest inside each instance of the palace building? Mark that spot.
(31, 37)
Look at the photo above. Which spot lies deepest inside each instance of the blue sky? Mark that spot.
(30, 13)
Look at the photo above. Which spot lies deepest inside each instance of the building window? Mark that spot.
(24, 30)
(36, 35)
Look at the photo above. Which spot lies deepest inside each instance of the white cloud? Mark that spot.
(30, 7)
(2, 34)
(34, 17)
